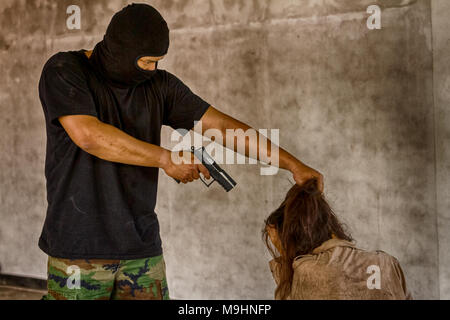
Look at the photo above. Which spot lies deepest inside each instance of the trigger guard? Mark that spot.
(204, 182)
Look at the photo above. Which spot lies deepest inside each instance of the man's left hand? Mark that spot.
(302, 173)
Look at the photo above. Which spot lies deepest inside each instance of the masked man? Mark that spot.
(104, 111)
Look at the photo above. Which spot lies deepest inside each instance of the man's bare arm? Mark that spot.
(214, 119)
(111, 144)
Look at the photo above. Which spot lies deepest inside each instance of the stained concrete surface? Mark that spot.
(356, 104)
(441, 46)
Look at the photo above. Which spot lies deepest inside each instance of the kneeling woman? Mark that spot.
(315, 259)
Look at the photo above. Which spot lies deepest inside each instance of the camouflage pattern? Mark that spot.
(142, 279)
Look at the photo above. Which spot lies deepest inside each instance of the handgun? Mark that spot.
(216, 172)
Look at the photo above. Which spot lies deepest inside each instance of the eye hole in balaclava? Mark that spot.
(148, 72)
(136, 31)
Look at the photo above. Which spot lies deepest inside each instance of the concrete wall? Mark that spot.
(356, 104)
(441, 46)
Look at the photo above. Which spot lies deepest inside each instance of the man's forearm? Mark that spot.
(214, 119)
(263, 151)
(111, 144)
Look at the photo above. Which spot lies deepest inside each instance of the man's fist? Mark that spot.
(181, 166)
(302, 173)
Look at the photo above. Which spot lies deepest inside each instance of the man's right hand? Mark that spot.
(181, 166)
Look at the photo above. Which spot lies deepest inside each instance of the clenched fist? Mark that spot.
(181, 166)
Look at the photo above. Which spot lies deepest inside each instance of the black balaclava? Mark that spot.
(136, 31)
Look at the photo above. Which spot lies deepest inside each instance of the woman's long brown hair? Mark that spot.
(303, 221)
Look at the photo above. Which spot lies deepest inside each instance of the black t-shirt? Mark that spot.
(99, 209)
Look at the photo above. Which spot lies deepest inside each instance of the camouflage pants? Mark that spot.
(143, 279)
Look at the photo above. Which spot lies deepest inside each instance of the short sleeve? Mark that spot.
(63, 90)
(182, 107)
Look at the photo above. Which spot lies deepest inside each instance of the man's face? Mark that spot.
(148, 63)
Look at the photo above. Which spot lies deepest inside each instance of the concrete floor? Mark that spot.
(15, 293)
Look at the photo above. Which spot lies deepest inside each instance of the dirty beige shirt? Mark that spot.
(337, 270)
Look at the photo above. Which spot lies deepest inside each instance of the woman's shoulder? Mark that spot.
(325, 251)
